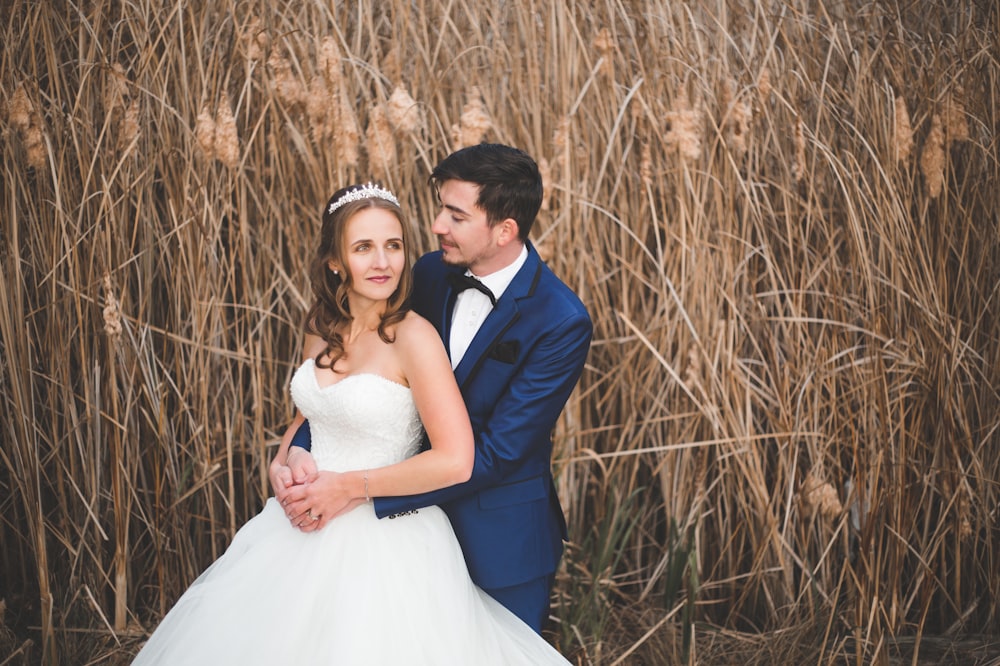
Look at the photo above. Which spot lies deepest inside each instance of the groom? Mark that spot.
(518, 339)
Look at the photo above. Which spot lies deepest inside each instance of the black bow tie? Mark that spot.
(460, 282)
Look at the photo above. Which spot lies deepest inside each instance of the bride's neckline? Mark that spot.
(321, 387)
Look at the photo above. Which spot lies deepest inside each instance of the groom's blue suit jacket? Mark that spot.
(515, 378)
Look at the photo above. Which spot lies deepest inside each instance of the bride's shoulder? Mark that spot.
(419, 351)
(414, 326)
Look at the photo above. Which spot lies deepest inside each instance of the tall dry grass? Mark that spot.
(781, 215)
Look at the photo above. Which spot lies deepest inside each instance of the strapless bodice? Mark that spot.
(361, 421)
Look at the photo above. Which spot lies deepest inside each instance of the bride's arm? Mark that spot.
(282, 472)
(450, 458)
(426, 367)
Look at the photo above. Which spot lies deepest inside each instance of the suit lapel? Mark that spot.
(503, 316)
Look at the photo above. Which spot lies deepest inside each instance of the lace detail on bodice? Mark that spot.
(361, 421)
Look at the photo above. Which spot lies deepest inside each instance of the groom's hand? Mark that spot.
(280, 475)
(298, 468)
(353, 504)
(302, 465)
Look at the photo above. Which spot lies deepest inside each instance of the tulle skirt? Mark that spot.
(360, 591)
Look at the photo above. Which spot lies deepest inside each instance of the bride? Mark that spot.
(374, 378)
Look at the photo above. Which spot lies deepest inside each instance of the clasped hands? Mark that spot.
(309, 497)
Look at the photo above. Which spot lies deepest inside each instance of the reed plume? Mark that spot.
(380, 142)
(227, 142)
(684, 129)
(404, 114)
(903, 132)
(474, 123)
(932, 159)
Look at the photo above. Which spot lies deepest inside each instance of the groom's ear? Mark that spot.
(507, 231)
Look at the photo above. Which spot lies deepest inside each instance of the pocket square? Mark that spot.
(506, 352)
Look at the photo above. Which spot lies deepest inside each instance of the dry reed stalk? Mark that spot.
(121, 504)
(21, 454)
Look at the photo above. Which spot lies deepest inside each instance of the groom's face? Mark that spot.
(466, 237)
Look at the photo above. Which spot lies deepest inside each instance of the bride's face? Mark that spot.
(376, 257)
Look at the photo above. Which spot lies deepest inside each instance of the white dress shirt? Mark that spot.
(472, 307)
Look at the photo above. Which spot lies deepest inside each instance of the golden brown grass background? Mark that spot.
(782, 216)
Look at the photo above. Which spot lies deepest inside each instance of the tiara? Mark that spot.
(367, 191)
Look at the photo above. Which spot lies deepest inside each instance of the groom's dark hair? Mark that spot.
(510, 185)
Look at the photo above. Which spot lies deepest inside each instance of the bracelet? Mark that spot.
(367, 496)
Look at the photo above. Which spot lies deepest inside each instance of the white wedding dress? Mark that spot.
(360, 591)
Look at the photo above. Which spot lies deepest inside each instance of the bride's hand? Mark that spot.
(313, 504)
(296, 506)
